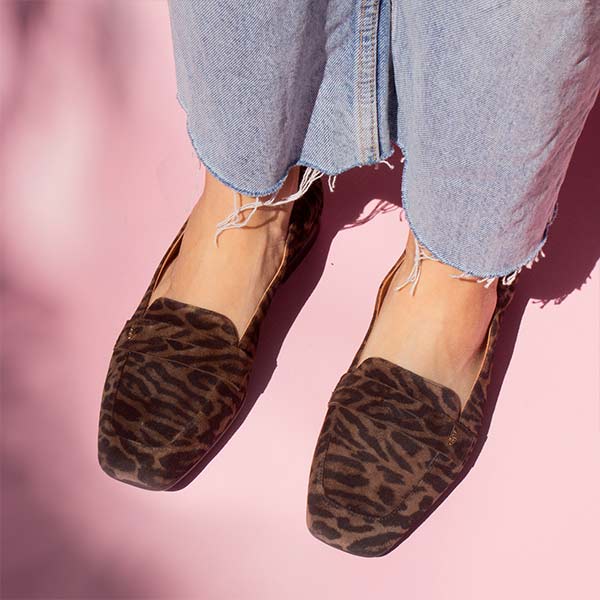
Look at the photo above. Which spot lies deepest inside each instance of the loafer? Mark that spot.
(178, 374)
(392, 446)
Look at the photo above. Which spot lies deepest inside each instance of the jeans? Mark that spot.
(485, 98)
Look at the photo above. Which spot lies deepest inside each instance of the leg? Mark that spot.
(229, 278)
(508, 90)
(439, 331)
(494, 96)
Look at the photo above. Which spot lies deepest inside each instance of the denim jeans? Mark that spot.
(485, 98)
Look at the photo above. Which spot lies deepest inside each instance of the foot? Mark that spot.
(231, 278)
(440, 331)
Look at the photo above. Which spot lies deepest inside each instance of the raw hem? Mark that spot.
(508, 275)
(281, 181)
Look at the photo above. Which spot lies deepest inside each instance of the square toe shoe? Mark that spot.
(178, 373)
(391, 445)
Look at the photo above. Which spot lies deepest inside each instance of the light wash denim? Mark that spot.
(485, 98)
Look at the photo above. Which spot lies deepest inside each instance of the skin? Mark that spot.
(439, 332)
(231, 278)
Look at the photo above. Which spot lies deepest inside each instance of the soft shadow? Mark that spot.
(572, 250)
(42, 553)
(342, 209)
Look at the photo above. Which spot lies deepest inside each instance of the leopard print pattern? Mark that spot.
(392, 442)
(178, 373)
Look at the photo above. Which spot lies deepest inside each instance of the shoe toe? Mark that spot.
(377, 468)
(366, 478)
(160, 418)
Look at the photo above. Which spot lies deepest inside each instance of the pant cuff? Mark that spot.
(234, 219)
(505, 278)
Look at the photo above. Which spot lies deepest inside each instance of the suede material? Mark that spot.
(178, 374)
(391, 444)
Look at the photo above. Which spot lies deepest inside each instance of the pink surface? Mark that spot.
(98, 177)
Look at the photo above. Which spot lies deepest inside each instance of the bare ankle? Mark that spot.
(218, 201)
(439, 278)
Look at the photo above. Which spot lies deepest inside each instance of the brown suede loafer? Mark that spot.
(392, 445)
(178, 373)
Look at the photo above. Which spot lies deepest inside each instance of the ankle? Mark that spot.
(438, 280)
(218, 203)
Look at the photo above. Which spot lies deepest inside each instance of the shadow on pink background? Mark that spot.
(97, 177)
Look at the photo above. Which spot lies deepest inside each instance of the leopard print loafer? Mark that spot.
(178, 373)
(392, 445)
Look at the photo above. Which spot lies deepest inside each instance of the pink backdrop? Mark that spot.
(98, 175)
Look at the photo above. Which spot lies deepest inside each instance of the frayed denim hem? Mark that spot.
(311, 174)
(506, 278)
